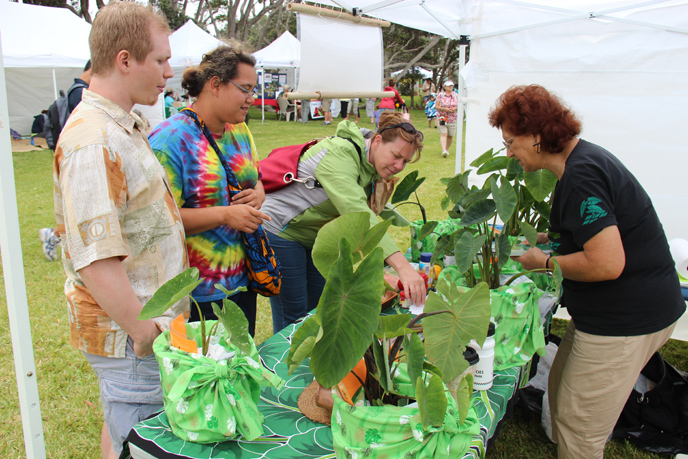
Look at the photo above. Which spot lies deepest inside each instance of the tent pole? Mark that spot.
(15, 288)
(459, 165)
(262, 92)
(55, 84)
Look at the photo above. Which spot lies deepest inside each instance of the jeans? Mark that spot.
(130, 391)
(302, 283)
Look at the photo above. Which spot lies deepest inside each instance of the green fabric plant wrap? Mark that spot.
(515, 313)
(443, 228)
(396, 432)
(208, 401)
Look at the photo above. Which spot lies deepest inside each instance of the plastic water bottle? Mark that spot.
(424, 264)
(484, 370)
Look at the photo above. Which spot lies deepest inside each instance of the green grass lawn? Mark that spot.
(68, 389)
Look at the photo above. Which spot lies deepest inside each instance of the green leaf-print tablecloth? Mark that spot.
(289, 434)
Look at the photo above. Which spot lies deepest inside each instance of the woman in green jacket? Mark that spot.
(345, 168)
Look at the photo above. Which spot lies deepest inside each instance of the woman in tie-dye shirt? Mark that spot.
(223, 85)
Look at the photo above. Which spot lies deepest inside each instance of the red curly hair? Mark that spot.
(534, 110)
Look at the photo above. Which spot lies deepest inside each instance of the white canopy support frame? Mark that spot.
(15, 288)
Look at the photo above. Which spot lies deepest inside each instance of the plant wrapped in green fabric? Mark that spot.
(210, 390)
(347, 327)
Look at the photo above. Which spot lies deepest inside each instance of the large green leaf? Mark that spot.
(169, 293)
(474, 195)
(372, 238)
(355, 227)
(540, 183)
(236, 324)
(503, 246)
(415, 355)
(505, 199)
(406, 187)
(514, 171)
(383, 373)
(427, 229)
(348, 312)
(463, 396)
(446, 334)
(432, 401)
(482, 159)
(302, 342)
(392, 326)
(530, 233)
(478, 212)
(495, 164)
(388, 213)
(457, 187)
(466, 248)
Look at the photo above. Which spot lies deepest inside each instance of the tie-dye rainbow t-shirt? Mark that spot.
(198, 180)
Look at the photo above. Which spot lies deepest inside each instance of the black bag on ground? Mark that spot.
(657, 419)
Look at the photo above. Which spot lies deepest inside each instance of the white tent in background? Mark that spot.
(44, 49)
(621, 64)
(282, 54)
(188, 44)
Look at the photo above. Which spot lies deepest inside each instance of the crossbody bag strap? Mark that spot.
(232, 181)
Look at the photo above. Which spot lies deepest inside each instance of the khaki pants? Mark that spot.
(590, 381)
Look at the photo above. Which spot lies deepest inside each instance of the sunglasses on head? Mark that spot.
(408, 127)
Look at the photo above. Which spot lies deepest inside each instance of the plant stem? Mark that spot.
(523, 273)
(422, 209)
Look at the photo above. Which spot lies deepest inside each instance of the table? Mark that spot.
(289, 434)
(272, 102)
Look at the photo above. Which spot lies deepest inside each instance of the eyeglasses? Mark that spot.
(408, 127)
(507, 142)
(247, 92)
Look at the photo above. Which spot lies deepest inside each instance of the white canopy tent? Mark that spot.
(282, 54)
(621, 64)
(44, 50)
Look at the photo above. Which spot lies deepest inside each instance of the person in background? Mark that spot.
(428, 89)
(620, 283)
(430, 110)
(123, 233)
(370, 109)
(353, 109)
(169, 97)
(327, 111)
(284, 93)
(391, 103)
(195, 145)
(346, 166)
(75, 91)
(447, 104)
(49, 238)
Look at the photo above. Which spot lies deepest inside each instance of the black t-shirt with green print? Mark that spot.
(597, 191)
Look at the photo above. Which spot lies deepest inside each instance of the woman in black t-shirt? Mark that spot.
(620, 285)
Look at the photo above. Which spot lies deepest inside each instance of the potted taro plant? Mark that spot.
(413, 397)
(210, 370)
(483, 254)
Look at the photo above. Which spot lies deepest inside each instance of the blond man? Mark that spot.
(121, 231)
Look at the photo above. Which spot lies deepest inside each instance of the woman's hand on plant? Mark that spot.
(244, 218)
(414, 285)
(533, 259)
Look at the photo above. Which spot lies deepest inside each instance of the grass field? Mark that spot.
(68, 389)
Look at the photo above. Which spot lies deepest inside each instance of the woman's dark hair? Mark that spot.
(534, 110)
(222, 62)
